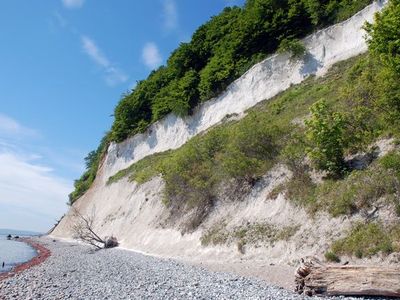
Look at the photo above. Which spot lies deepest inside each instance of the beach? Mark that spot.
(13, 252)
(75, 271)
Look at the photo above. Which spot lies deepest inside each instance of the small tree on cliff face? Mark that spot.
(83, 230)
(384, 44)
(384, 36)
(325, 133)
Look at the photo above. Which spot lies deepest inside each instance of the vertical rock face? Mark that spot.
(135, 214)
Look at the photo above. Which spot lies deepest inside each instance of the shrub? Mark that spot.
(250, 234)
(384, 41)
(325, 131)
(234, 155)
(216, 235)
(384, 44)
(360, 190)
(391, 161)
(364, 240)
(92, 161)
(330, 256)
(220, 51)
(293, 46)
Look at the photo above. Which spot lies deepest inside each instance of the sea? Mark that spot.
(13, 253)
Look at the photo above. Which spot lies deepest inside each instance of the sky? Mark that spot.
(64, 65)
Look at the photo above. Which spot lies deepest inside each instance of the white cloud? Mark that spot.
(73, 3)
(113, 75)
(26, 187)
(94, 52)
(10, 127)
(32, 196)
(170, 14)
(151, 56)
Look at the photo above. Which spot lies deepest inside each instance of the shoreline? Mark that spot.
(77, 271)
(42, 254)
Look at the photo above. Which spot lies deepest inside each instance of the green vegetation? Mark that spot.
(384, 34)
(216, 235)
(250, 234)
(92, 161)
(391, 161)
(238, 153)
(325, 132)
(294, 46)
(365, 240)
(384, 44)
(330, 256)
(359, 191)
(220, 51)
(316, 124)
(143, 170)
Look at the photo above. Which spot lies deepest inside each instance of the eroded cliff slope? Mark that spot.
(137, 214)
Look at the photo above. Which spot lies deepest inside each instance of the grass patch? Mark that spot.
(242, 151)
(330, 256)
(143, 170)
(391, 161)
(365, 240)
(217, 235)
(359, 190)
(251, 234)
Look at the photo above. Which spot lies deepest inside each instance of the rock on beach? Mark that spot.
(75, 271)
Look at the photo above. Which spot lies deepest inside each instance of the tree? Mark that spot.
(294, 46)
(325, 133)
(384, 41)
(384, 45)
(91, 159)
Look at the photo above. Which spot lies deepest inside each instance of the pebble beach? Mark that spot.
(75, 271)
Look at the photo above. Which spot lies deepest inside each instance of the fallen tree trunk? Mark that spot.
(315, 278)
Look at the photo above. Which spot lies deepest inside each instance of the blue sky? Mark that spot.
(64, 66)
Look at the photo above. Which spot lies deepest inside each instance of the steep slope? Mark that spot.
(263, 81)
(136, 213)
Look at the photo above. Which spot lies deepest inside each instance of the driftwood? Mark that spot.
(83, 230)
(315, 278)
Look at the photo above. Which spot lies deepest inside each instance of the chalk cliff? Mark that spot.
(135, 213)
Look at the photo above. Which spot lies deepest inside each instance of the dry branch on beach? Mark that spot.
(83, 230)
(316, 278)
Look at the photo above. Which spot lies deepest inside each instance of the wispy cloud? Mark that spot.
(73, 3)
(113, 75)
(151, 55)
(91, 49)
(29, 187)
(170, 14)
(61, 21)
(10, 127)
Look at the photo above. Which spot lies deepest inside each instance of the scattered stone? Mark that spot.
(75, 273)
(110, 242)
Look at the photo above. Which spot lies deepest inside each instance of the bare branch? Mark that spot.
(83, 229)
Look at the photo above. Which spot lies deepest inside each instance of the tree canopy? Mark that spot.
(220, 51)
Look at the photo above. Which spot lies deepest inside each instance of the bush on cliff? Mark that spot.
(220, 51)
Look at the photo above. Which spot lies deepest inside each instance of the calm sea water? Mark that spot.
(13, 253)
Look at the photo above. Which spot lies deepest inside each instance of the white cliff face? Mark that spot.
(135, 213)
(263, 81)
